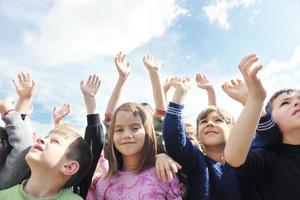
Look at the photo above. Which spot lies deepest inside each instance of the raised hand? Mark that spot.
(90, 88)
(25, 87)
(151, 63)
(236, 89)
(249, 73)
(122, 65)
(203, 82)
(58, 115)
(181, 85)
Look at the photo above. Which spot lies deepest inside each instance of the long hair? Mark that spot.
(149, 150)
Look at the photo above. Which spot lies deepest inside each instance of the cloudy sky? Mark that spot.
(61, 42)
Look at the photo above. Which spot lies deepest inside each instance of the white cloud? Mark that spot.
(76, 31)
(219, 11)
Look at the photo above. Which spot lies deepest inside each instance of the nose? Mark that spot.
(127, 134)
(40, 141)
(210, 123)
(297, 102)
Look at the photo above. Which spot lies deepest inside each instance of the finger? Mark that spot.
(254, 72)
(23, 76)
(158, 171)
(15, 84)
(89, 79)
(178, 165)
(99, 83)
(173, 166)
(246, 58)
(54, 110)
(20, 78)
(28, 77)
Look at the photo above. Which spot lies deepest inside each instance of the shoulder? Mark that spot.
(67, 194)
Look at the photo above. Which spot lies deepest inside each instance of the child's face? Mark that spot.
(286, 111)
(213, 131)
(129, 134)
(49, 152)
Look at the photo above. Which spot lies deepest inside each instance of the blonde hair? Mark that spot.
(149, 150)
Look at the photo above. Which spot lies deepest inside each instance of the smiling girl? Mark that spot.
(131, 157)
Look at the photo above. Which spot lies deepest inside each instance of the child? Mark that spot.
(16, 137)
(131, 156)
(209, 177)
(153, 67)
(277, 170)
(58, 160)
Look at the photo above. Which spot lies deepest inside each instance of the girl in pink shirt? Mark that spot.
(131, 157)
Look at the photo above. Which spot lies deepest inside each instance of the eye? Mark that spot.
(203, 121)
(118, 130)
(219, 120)
(54, 141)
(135, 128)
(284, 103)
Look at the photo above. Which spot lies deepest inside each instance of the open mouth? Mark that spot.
(38, 147)
(296, 112)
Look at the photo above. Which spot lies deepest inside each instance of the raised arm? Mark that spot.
(205, 84)
(58, 115)
(237, 90)
(25, 88)
(19, 132)
(243, 131)
(267, 133)
(94, 135)
(178, 146)
(153, 66)
(123, 68)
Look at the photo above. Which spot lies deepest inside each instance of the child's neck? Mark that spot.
(39, 186)
(292, 137)
(216, 154)
(130, 163)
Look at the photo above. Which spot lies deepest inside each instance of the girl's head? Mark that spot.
(131, 135)
(213, 127)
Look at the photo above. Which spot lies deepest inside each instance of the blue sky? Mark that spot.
(61, 42)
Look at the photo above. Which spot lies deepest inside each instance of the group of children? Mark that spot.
(156, 153)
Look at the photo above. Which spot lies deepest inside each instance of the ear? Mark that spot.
(70, 168)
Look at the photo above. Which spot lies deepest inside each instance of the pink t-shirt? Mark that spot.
(143, 186)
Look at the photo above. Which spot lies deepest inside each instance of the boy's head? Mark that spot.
(63, 152)
(213, 126)
(285, 108)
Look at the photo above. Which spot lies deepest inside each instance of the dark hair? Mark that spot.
(78, 151)
(276, 94)
(149, 150)
(5, 147)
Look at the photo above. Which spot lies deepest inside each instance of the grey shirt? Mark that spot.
(15, 168)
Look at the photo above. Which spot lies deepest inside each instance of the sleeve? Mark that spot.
(258, 164)
(178, 146)
(95, 139)
(20, 138)
(268, 134)
(174, 191)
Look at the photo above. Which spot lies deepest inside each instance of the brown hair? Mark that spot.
(149, 150)
(276, 94)
(78, 151)
(223, 114)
